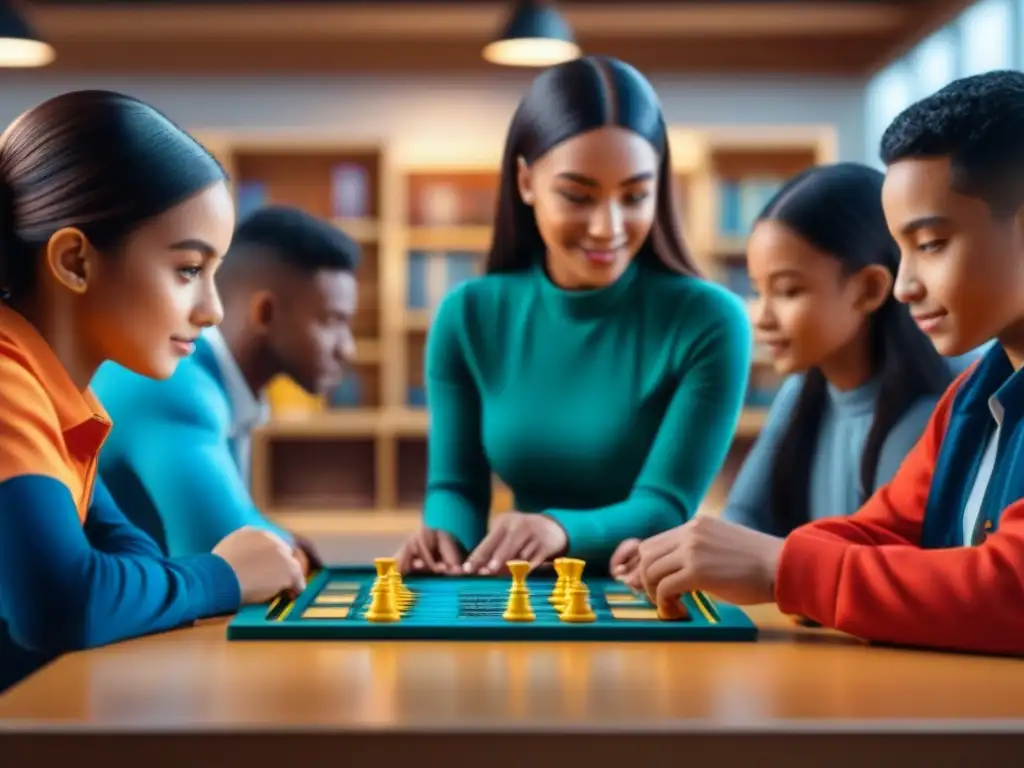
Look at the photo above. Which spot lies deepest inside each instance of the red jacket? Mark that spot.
(868, 575)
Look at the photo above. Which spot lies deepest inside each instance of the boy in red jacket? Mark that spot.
(936, 557)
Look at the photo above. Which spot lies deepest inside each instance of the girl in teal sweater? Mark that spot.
(591, 368)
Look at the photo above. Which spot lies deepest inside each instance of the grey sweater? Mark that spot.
(835, 487)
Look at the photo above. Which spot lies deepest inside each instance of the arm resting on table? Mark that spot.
(458, 498)
(867, 576)
(60, 593)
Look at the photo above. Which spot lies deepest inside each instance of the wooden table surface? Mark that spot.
(805, 696)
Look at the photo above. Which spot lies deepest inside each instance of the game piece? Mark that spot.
(344, 603)
(573, 568)
(518, 608)
(577, 609)
(557, 596)
(403, 595)
(383, 603)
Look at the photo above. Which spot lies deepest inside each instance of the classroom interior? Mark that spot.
(389, 119)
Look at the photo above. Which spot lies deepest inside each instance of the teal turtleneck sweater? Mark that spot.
(609, 410)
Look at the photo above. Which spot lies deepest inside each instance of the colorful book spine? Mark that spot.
(431, 275)
(349, 191)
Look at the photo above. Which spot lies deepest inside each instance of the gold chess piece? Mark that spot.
(557, 596)
(384, 601)
(518, 608)
(578, 609)
(573, 569)
(403, 595)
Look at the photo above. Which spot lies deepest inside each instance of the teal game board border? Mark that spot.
(436, 620)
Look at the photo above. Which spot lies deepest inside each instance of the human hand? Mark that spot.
(625, 563)
(263, 564)
(735, 563)
(307, 555)
(517, 536)
(431, 550)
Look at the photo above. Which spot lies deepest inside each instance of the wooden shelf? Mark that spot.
(422, 230)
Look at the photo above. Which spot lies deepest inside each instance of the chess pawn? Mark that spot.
(557, 596)
(383, 605)
(518, 607)
(577, 609)
(403, 595)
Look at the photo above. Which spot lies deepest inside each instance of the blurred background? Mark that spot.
(390, 117)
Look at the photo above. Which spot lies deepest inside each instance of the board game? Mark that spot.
(375, 603)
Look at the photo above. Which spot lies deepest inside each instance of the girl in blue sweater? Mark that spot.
(863, 378)
(112, 223)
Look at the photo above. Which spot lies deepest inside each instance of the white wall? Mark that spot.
(468, 116)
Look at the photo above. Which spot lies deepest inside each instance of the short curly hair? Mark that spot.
(978, 123)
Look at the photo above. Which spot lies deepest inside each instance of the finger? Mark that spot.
(629, 566)
(510, 548)
(627, 550)
(427, 547)
(451, 557)
(653, 571)
(532, 549)
(403, 558)
(633, 581)
(298, 578)
(535, 557)
(418, 564)
(670, 590)
(656, 546)
(485, 549)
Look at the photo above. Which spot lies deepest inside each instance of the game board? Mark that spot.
(335, 603)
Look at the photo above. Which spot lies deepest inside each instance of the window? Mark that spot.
(889, 93)
(934, 62)
(986, 33)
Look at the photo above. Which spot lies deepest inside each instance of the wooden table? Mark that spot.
(796, 698)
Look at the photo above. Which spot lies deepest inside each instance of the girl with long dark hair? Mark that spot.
(591, 368)
(113, 221)
(863, 378)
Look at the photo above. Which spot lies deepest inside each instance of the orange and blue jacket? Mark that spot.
(74, 573)
(898, 570)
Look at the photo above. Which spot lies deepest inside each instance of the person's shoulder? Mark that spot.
(20, 384)
(694, 301)
(482, 299)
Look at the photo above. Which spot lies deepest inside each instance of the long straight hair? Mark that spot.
(838, 210)
(565, 101)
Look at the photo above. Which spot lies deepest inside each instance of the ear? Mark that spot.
(261, 310)
(71, 259)
(875, 284)
(524, 178)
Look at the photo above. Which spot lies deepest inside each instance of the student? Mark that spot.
(112, 222)
(863, 377)
(591, 368)
(936, 557)
(178, 460)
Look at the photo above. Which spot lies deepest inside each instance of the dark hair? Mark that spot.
(98, 161)
(978, 122)
(838, 210)
(565, 101)
(292, 237)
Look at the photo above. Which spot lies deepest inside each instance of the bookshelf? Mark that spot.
(423, 229)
